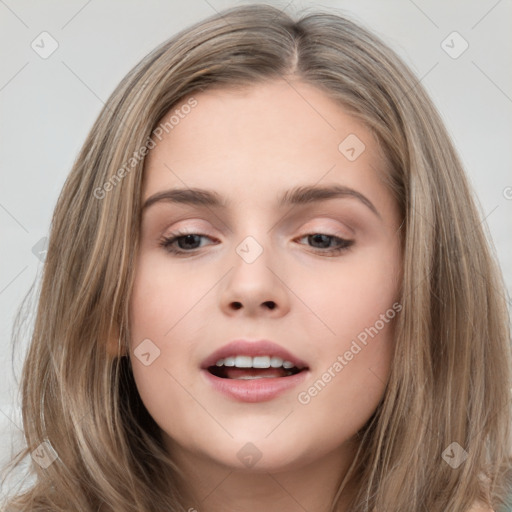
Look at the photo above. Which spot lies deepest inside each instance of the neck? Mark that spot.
(312, 486)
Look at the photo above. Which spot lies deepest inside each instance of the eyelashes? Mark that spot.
(168, 243)
(171, 242)
(342, 244)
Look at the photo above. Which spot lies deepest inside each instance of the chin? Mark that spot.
(262, 455)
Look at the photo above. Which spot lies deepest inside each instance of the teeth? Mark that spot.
(243, 361)
(276, 362)
(255, 362)
(261, 362)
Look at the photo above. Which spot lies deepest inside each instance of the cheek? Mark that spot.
(164, 298)
(358, 309)
(352, 298)
(351, 372)
(168, 307)
(355, 355)
(160, 327)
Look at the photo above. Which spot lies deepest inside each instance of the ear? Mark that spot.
(114, 347)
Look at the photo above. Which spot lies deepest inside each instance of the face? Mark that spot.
(318, 276)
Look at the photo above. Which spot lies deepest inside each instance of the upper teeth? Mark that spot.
(255, 362)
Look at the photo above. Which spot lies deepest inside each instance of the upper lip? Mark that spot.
(253, 349)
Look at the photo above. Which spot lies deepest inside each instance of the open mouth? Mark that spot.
(260, 367)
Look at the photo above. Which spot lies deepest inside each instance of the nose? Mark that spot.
(255, 287)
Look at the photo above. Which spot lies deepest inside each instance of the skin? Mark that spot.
(250, 145)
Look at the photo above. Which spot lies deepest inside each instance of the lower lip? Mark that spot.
(254, 390)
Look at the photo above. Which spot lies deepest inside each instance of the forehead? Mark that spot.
(257, 139)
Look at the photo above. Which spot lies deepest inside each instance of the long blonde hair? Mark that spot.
(451, 377)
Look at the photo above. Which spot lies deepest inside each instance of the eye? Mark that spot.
(324, 242)
(186, 242)
(182, 242)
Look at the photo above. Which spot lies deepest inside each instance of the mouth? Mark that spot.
(253, 371)
(242, 367)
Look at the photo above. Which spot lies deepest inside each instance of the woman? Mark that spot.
(340, 342)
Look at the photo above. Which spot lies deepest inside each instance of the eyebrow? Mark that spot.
(301, 195)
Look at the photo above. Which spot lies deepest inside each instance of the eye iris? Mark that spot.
(324, 238)
(187, 238)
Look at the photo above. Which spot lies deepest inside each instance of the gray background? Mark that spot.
(48, 105)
